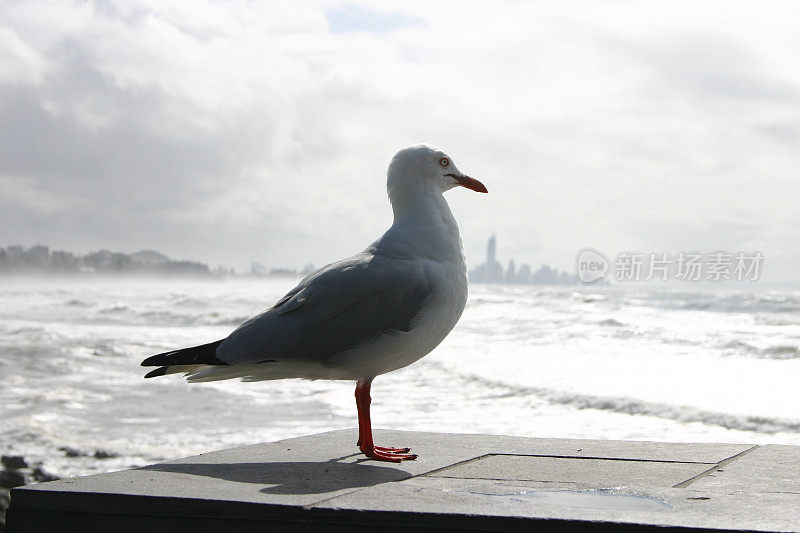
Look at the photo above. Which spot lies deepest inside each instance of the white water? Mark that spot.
(630, 363)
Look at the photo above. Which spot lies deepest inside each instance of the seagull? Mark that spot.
(377, 311)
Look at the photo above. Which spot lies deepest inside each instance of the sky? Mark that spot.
(239, 131)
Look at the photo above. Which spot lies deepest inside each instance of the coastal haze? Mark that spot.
(232, 132)
(170, 169)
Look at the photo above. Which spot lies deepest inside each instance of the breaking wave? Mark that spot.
(631, 406)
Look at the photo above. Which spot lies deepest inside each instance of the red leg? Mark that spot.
(359, 386)
(379, 453)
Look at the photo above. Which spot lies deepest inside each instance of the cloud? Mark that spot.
(19, 62)
(238, 131)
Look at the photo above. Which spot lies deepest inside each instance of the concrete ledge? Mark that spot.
(468, 482)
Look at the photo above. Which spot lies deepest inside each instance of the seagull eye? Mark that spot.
(444, 161)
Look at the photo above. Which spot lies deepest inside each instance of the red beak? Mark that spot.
(469, 183)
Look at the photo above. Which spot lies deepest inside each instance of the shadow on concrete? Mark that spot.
(293, 477)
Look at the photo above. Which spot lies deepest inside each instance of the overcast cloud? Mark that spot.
(237, 131)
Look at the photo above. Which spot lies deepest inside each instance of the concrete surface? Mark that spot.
(467, 482)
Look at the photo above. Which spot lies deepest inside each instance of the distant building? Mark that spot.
(545, 276)
(38, 256)
(511, 273)
(257, 269)
(149, 258)
(63, 262)
(491, 271)
(15, 251)
(108, 261)
(223, 271)
(182, 268)
(524, 276)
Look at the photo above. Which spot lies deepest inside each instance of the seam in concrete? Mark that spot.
(605, 458)
(458, 463)
(684, 484)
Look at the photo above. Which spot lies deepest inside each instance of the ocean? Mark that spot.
(672, 364)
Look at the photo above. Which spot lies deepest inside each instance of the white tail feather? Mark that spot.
(259, 372)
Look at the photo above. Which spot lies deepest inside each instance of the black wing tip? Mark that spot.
(204, 354)
(153, 360)
(157, 372)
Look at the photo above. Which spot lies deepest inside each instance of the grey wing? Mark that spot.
(333, 310)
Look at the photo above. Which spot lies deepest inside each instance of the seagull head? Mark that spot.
(422, 168)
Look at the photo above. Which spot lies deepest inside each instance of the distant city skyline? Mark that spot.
(39, 258)
(492, 271)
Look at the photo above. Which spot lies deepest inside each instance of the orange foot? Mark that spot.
(383, 453)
